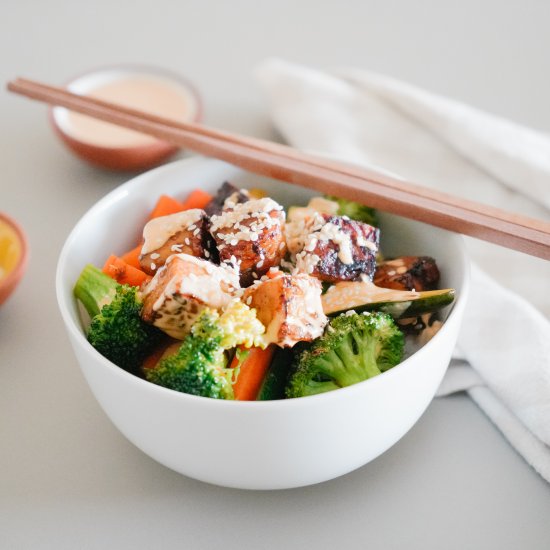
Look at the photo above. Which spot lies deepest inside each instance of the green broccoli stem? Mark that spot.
(367, 346)
(94, 289)
(357, 353)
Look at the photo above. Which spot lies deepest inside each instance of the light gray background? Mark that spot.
(68, 479)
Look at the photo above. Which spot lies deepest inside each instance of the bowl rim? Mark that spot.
(131, 68)
(77, 333)
(13, 277)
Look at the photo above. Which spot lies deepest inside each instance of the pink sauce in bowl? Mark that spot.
(107, 145)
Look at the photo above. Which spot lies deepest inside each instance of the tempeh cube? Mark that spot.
(333, 248)
(181, 233)
(289, 306)
(250, 235)
(408, 273)
(182, 288)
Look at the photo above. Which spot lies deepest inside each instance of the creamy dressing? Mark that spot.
(303, 235)
(356, 293)
(331, 232)
(246, 221)
(153, 95)
(158, 230)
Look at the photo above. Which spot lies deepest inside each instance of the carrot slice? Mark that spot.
(132, 257)
(252, 372)
(124, 273)
(197, 199)
(165, 206)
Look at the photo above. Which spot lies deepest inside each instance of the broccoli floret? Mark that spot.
(116, 328)
(355, 211)
(199, 367)
(353, 348)
(240, 326)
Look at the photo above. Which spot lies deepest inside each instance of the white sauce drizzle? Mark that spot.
(158, 230)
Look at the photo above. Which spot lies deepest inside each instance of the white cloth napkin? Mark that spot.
(503, 356)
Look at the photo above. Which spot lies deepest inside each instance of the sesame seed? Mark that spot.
(254, 275)
(155, 256)
(206, 254)
(187, 241)
(249, 300)
(260, 264)
(196, 232)
(153, 266)
(192, 227)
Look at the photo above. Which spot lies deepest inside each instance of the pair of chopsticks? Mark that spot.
(281, 162)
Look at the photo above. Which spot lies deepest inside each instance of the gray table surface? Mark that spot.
(68, 479)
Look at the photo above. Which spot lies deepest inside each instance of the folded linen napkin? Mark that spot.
(503, 355)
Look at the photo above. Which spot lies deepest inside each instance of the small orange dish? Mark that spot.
(151, 90)
(13, 255)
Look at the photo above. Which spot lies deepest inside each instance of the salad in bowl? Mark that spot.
(230, 296)
(252, 334)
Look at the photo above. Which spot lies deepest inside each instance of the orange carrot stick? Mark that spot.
(132, 257)
(124, 273)
(165, 206)
(252, 373)
(197, 199)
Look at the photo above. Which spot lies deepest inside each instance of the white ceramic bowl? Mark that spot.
(255, 445)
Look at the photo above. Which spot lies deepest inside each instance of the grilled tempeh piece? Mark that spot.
(250, 236)
(289, 306)
(333, 248)
(182, 288)
(181, 233)
(408, 273)
(227, 194)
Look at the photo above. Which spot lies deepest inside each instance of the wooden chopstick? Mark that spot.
(281, 162)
